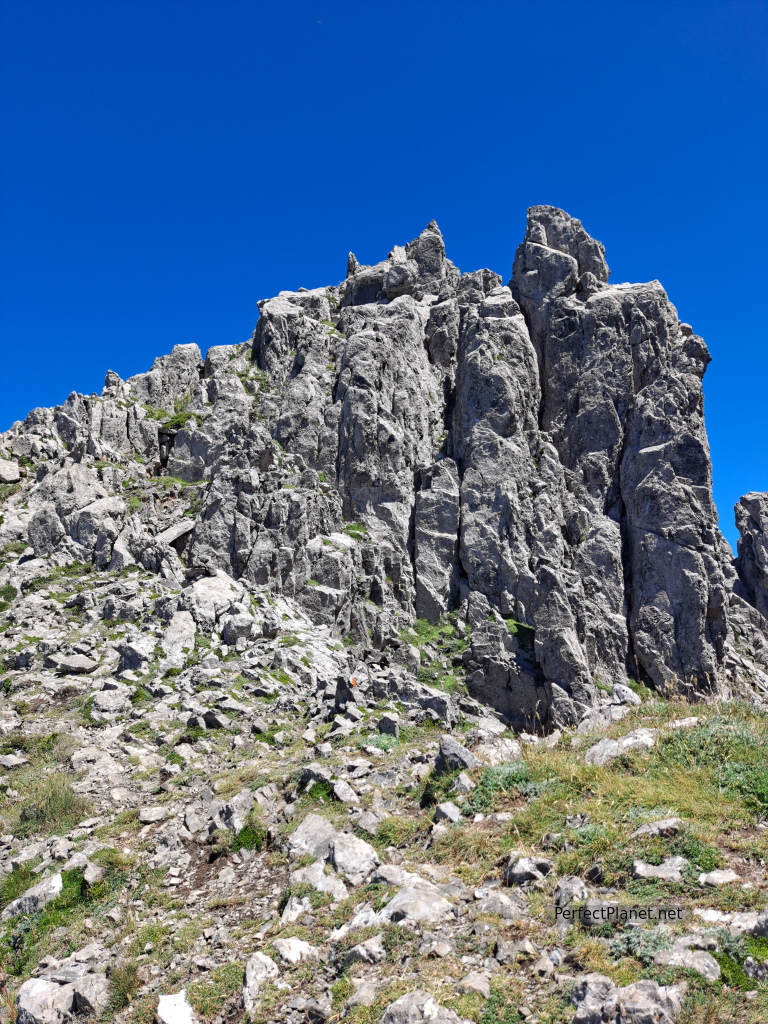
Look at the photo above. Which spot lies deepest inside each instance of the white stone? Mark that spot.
(295, 951)
(260, 968)
(174, 1009)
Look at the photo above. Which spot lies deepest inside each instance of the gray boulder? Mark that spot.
(453, 757)
(419, 1008)
(35, 898)
(599, 1001)
(9, 472)
(258, 969)
(353, 858)
(313, 835)
(41, 1001)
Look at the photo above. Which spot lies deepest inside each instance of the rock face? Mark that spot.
(412, 443)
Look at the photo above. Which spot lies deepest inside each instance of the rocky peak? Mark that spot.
(420, 442)
(316, 627)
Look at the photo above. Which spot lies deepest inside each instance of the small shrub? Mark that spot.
(74, 571)
(320, 790)
(525, 634)
(501, 1007)
(8, 490)
(302, 890)
(355, 530)
(124, 982)
(502, 780)
(177, 421)
(640, 943)
(436, 788)
(733, 974)
(733, 751)
(252, 836)
(384, 741)
(701, 856)
(7, 594)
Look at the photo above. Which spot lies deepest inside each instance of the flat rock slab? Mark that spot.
(418, 1008)
(12, 760)
(149, 815)
(692, 959)
(295, 951)
(606, 750)
(448, 812)
(671, 870)
(416, 906)
(72, 664)
(259, 969)
(475, 982)
(353, 858)
(723, 876)
(35, 899)
(42, 1001)
(665, 827)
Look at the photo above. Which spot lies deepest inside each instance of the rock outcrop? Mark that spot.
(417, 442)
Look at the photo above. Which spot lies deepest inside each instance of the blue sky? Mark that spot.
(167, 163)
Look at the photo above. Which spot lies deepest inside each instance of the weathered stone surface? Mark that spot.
(607, 749)
(73, 664)
(175, 1009)
(447, 812)
(258, 969)
(313, 836)
(35, 898)
(526, 869)
(41, 1001)
(419, 1008)
(353, 858)
(416, 906)
(723, 876)
(418, 498)
(532, 456)
(663, 827)
(752, 560)
(295, 951)
(453, 756)
(91, 993)
(9, 472)
(316, 876)
(599, 1001)
(670, 870)
(693, 959)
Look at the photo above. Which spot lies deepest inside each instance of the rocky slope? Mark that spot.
(290, 634)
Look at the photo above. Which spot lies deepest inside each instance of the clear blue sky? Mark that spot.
(167, 163)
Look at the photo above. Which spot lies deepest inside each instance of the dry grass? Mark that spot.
(49, 805)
